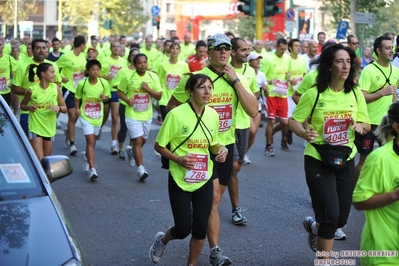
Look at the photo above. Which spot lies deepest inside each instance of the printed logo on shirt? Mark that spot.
(321, 104)
(396, 183)
(184, 130)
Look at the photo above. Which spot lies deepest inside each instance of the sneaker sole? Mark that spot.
(93, 178)
(144, 177)
(269, 155)
(149, 252)
(226, 262)
(307, 229)
(114, 152)
(239, 222)
(340, 238)
(73, 152)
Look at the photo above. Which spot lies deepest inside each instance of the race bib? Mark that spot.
(172, 81)
(299, 80)
(113, 70)
(199, 173)
(336, 131)
(78, 76)
(280, 88)
(93, 110)
(3, 83)
(141, 102)
(225, 116)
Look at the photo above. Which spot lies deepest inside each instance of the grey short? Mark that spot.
(240, 147)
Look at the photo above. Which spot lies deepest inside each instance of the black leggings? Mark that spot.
(122, 129)
(181, 202)
(331, 192)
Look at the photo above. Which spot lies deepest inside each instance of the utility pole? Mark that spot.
(259, 19)
(353, 16)
(59, 20)
(15, 19)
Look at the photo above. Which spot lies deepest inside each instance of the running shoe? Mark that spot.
(67, 137)
(114, 150)
(237, 217)
(121, 155)
(86, 166)
(73, 150)
(269, 152)
(289, 137)
(129, 155)
(284, 146)
(312, 239)
(339, 234)
(159, 120)
(246, 159)
(157, 249)
(217, 258)
(93, 174)
(142, 173)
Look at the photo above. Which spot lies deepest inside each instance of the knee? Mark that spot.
(216, 197)
(138, 142)
(182, 232)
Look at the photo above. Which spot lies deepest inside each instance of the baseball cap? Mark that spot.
(218, 39)
(253, 56)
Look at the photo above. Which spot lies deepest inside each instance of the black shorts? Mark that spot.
(240, 147)
(365, 143)
(7, 98)
(223, 170)
(69, 98)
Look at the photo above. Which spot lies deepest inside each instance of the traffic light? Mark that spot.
(158, 22)
(248, 8)
(271, 8)
(108, 24)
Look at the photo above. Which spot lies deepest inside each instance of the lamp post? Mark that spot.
(59, 20)
(15, 19)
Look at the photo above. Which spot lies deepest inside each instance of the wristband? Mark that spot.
(227, 150)
(235, 81)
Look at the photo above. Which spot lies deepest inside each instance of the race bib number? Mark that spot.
(113, 70)
(172, 81)
(336, 131)
(225, 116)
(280, 88)
(299, 80)
(199, 173)
(141, 102)
(78, 76)
(3, 83)
(93, 110)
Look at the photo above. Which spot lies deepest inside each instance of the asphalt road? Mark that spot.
(116, 217)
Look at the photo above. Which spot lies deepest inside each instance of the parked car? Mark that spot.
(33, 227)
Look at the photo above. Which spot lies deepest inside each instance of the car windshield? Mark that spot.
(18, 177)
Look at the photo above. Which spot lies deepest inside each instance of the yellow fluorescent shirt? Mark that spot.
(278, 69)
(73, 68)
(7, 66)
(111, 67)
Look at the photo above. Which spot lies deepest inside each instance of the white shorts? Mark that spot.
(88, 128)
(138, 128)
(291, 106)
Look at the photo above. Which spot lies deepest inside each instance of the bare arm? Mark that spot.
(296, 97)
(378, 201)
(371, 97)
(17, 90)
(154, 94)
(307, 134)
(173, 102)
(24, 103)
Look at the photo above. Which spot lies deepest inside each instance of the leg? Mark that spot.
(114, 116)
(122, 128)
(90, 143)
(71, 124)
(137, 150)
(269, 131)
(233, 184)
(253, 130)
(107, 107)
(214, 219)
(47, 147)
(196, 246)
(37, 145)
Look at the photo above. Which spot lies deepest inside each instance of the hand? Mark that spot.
(390, 90)
(222, 154)
(32, 108)
(145, 86)
(130, 102)
(287, 76)
(109, 77)
(273, 81)
(78, 112)
(359, 128)
(293, 82)
(310, 135)
(64, 80)
(103, 97)
(186, 161)
(55, 108)
(230, 72)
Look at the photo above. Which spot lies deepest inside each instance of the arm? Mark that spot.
(378, 201)
(296, 97)
(307, 134)
(61, 102)
(185, 161)
(173, 102)
(387, 91)
(220, 152)
(24, 103)
(123, 96)
(18, 90)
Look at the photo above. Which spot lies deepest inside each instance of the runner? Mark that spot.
(149, 51)
(191, 167)
(7, 69)
(137, 91)
(43, 101)
(14, 97)
(73, 65)
(187, 48)
(91, 94)
(196, 61)
(229, 90)
(378, 82)
(56, 53)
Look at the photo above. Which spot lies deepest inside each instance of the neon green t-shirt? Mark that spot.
(124, 72)
(92, 107)
(379, 175)
(187, 50)
(224, 100)
(73, 68)
(308, 81)
(297, 72)
(243, 120)
(111, 66)
(178, 125)
(23, 50)
(21, 78)
(170, 76)
(151, 55)
(265, 62)
(278, 70)
(333, 117)
(131, 87)
(371, 80)
(7, 66)
(43, 121)
(158, 61)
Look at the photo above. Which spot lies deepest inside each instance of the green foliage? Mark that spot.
(244, 26)
(127, 16)
(24, 8)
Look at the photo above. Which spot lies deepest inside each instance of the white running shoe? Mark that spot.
(142, 172)
(73, 150)
(114, 150)
(339, 234)
(93, 174)
(129, 155)
(86, 166)
(157, 249)
(246, 159)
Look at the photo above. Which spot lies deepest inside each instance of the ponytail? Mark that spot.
(42, 67)
(385, 132)
(31, 72)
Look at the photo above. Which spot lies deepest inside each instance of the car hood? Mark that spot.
(31, 233)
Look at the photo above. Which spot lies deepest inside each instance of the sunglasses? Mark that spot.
(355, 43)
(220, 47)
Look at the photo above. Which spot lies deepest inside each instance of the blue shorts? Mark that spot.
(114, 98)
(23, 121)
(69, 98)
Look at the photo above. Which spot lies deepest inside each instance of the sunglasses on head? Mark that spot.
(220, 47)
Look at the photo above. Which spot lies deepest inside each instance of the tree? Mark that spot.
(24, 8)
(127, 16)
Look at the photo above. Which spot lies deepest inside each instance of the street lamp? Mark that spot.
(15, 19)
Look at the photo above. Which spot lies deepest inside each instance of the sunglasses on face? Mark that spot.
(220, 47)
(355, 43)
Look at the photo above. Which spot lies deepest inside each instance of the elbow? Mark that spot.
(158, 96)
(359, 206)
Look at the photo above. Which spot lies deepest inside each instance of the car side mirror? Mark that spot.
(56, 167)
